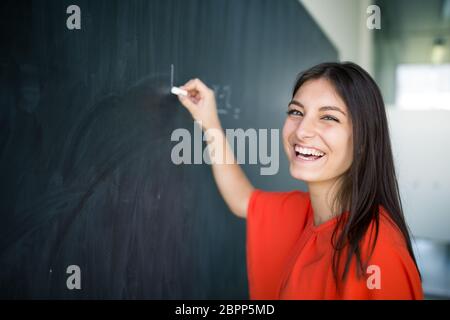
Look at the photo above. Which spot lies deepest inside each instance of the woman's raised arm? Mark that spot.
(231, 180)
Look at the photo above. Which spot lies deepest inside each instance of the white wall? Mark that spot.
(344, 22)
(420, 140)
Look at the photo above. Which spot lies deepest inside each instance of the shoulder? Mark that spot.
(387, 241)
(283, 210)
(389, 235)
(278, 201)
(279, 198)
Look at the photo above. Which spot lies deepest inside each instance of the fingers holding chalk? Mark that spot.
(179, 92)
(193, 91)
(200, 102)
(197, 85)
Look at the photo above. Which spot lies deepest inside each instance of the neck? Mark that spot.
(322, 195)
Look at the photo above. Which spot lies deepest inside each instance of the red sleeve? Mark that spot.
(398, 274)
(391, 272)
(275, 220)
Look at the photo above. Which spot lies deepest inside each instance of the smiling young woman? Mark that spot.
(346, 238)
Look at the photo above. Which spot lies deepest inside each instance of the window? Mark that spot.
(423, 86)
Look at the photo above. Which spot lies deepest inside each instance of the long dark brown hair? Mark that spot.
(371, 179)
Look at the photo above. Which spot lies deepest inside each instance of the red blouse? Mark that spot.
(290, 258)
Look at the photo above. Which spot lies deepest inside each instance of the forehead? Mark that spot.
(319, 92)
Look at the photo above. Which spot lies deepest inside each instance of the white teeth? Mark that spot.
(308, 151)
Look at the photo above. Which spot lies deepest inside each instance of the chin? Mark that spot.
(303, 175)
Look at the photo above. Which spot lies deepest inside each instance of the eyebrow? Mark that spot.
(323, 108)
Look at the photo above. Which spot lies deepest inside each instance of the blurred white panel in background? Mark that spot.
(423, 86)
(421, 147)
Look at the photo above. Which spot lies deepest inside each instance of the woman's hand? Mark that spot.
(201, 103)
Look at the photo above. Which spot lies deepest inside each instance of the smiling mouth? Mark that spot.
(308, 154)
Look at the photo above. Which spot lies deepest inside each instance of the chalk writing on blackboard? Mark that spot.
(223, 97)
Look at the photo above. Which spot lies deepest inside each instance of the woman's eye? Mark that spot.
(294, 112)
(330, 118)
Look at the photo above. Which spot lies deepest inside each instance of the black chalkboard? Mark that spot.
(86, 118)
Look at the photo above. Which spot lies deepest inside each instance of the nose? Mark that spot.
(305, 129)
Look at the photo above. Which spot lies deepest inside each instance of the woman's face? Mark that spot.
(317, 134)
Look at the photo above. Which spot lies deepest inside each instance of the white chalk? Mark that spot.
(178, 91)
